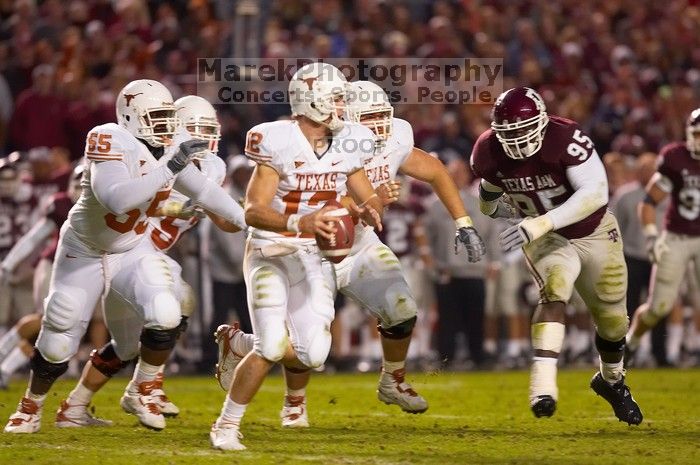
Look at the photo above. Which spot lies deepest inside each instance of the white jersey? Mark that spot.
(306, 181)
(91, 221)
(164, 232)
(384, 163)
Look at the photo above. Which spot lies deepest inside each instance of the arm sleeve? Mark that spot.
(28, 243)
(591, 193)
(209, 195)
(259, 147)
(488, 197)
(119, 192)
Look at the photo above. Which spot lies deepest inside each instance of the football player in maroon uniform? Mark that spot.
(678, 176)
(553, 175)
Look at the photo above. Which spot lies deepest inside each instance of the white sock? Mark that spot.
(296, 392)
(37, 398)
(513, 348)
(80, 396)
(232, 412)
(612, 372)
(144, 372)
(490, 346)
(243, 344)
(8, 342)
(14, 361)
(673, 342)
(390, 367)
(543, 378)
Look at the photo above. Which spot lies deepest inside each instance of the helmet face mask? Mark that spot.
(317, 91)
(692, 134)
(145, 108)
(369, 106)
(199, 118)
(519, 121)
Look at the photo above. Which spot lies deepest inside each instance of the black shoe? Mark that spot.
(619, 397)
(544, 406)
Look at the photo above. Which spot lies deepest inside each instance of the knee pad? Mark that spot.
(45, 370)
(651, 316)
(271, 345)
(106, 361)
(188, 303)
(606, 346)
(156, 293)
(318, 345)
(159, 339)
(613, 326)
(264, 285)
(59, 346)
(63, 310)
(399, 331)
(548, 336)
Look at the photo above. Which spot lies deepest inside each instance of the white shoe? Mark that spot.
(228, 359)
(294, 413)
(75, 416)
(226, 436)
(144, 404)
(27, 418)
(167, 407)
(394, 390)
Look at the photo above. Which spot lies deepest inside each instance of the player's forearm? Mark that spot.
(647, 214)
(28, 244)
(222, 223)
(119, 193)
(266, 218)
(210, 195)
(446, 190)
(591, 193)
(489, 196)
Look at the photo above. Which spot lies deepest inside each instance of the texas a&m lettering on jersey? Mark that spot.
(681, 179)
(539, 183)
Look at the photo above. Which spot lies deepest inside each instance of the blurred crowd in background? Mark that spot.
(627, 70)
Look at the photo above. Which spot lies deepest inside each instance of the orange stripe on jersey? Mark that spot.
(104, 158)
(104, 155)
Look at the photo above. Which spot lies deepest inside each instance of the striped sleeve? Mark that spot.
(256, 147)
(103, 144)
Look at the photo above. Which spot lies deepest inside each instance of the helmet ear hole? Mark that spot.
(127, 117)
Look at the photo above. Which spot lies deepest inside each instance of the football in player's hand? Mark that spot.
(339, 246)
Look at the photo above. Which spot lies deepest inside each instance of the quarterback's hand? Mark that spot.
(180, 210)
(525, 232)
(186, 152)
(655, 244)
(389, 192)
(319, 222)
(367, 214)
(469, 237)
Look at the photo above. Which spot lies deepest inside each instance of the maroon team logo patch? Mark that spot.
(613, 235)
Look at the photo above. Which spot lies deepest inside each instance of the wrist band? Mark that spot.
(366, 201)
(293, 223)
(650, 230)
(464, 222)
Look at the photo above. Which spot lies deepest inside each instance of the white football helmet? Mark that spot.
(368, 104)
(145, 108)
(198, 116)
(317, 91)
(692, 134)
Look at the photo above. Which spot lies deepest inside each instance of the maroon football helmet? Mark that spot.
(519, 119)
(692, 133)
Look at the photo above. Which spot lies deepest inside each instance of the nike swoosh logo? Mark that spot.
(335, 163)
(70, 256)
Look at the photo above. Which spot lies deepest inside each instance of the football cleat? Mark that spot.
(619, 397)
(394, 390)
(144, 404)
(75, 416)
(543, 406)
(226, 436)
(294, 413)
(27, 418)
(167, 407)
(228, 358)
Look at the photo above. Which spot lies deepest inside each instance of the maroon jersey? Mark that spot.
(539, 183)
(398, 227)
(56, 212)
(683, 171)
(14, 220)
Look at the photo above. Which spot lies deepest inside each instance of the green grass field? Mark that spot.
(473, 418)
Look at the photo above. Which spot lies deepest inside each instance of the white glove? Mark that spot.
(525, 232)
(655, 243)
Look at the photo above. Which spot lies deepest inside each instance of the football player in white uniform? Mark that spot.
(199, 118)
(127, 178)
(372, 274)
(302, 163)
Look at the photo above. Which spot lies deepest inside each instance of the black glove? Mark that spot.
(185, 153)
(472, 243)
